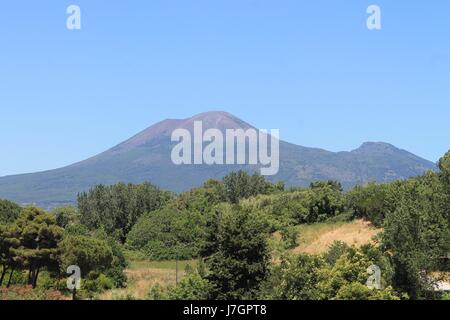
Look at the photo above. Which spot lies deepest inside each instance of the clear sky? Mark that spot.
(310, 68)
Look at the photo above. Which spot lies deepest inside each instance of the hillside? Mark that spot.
(146, 157)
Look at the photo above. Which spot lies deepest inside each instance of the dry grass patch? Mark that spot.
(142, 275)
(317, 238)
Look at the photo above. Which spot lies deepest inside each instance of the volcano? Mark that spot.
(147, 157)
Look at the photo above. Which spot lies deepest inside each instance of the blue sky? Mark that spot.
(310, 68)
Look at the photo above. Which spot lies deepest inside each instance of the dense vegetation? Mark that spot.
(228, 227)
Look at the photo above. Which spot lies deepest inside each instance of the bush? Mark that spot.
(192, 287)
(340, 274)
(289, 234)
(157, 292)
(168, 234)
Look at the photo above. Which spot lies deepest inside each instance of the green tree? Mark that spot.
(168, 234)
(9, 211)
(66, 216)
(340, 274)
(9, 240)
(417, 234)
(88, 253)
(297, 278)
(240, 185)
(117, 208)
(444, 166)
(39, 238)
(370, 202)
(240, 255)
(191, 287)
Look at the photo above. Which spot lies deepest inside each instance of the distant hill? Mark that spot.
(146, 157)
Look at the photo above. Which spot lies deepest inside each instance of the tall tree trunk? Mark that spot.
(10, 277)
(31, 275)
(74, 294)
(35, 278)
(3, 275)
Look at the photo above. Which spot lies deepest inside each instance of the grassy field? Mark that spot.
(317, 238)
(142, 275)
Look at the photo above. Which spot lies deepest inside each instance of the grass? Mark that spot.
(317, 238)
(144, 274)
(165, 265)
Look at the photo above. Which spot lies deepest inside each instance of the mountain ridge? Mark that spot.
(146, 157)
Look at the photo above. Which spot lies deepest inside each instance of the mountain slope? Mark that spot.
(146, 157)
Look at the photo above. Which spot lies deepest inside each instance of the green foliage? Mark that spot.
(76, 230)
(9, 211)
(228, 223)
(117, 208)
(340, 274)
(93, 284)
(324, 200)
(238, 254)
(239, 185)
(370, 202)
(119, 262)
(66, 216)
(289, 235)
(335, 252)
(191, 287)
(296, 279)
(157, 292)
(335, 185)
(39, 237)
(444, 166)
(88, 253)
(168, 234)
(201, 200)
(417, 234)
(358, 291)
(9, 240)
(100, 259)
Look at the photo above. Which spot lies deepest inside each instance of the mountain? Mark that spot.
(146, 157)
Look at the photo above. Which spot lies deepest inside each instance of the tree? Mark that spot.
(66, 216)
(168, 234)
(335, 185)
(340, 274)
(9, 211)
(9, 240)
(297, 278)
(88, 253)
(240, 185)
(370, 202)
(444, 176)
(444, 166)
(117, 208)
(39, 237)
(417, 234)
(240, 255)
